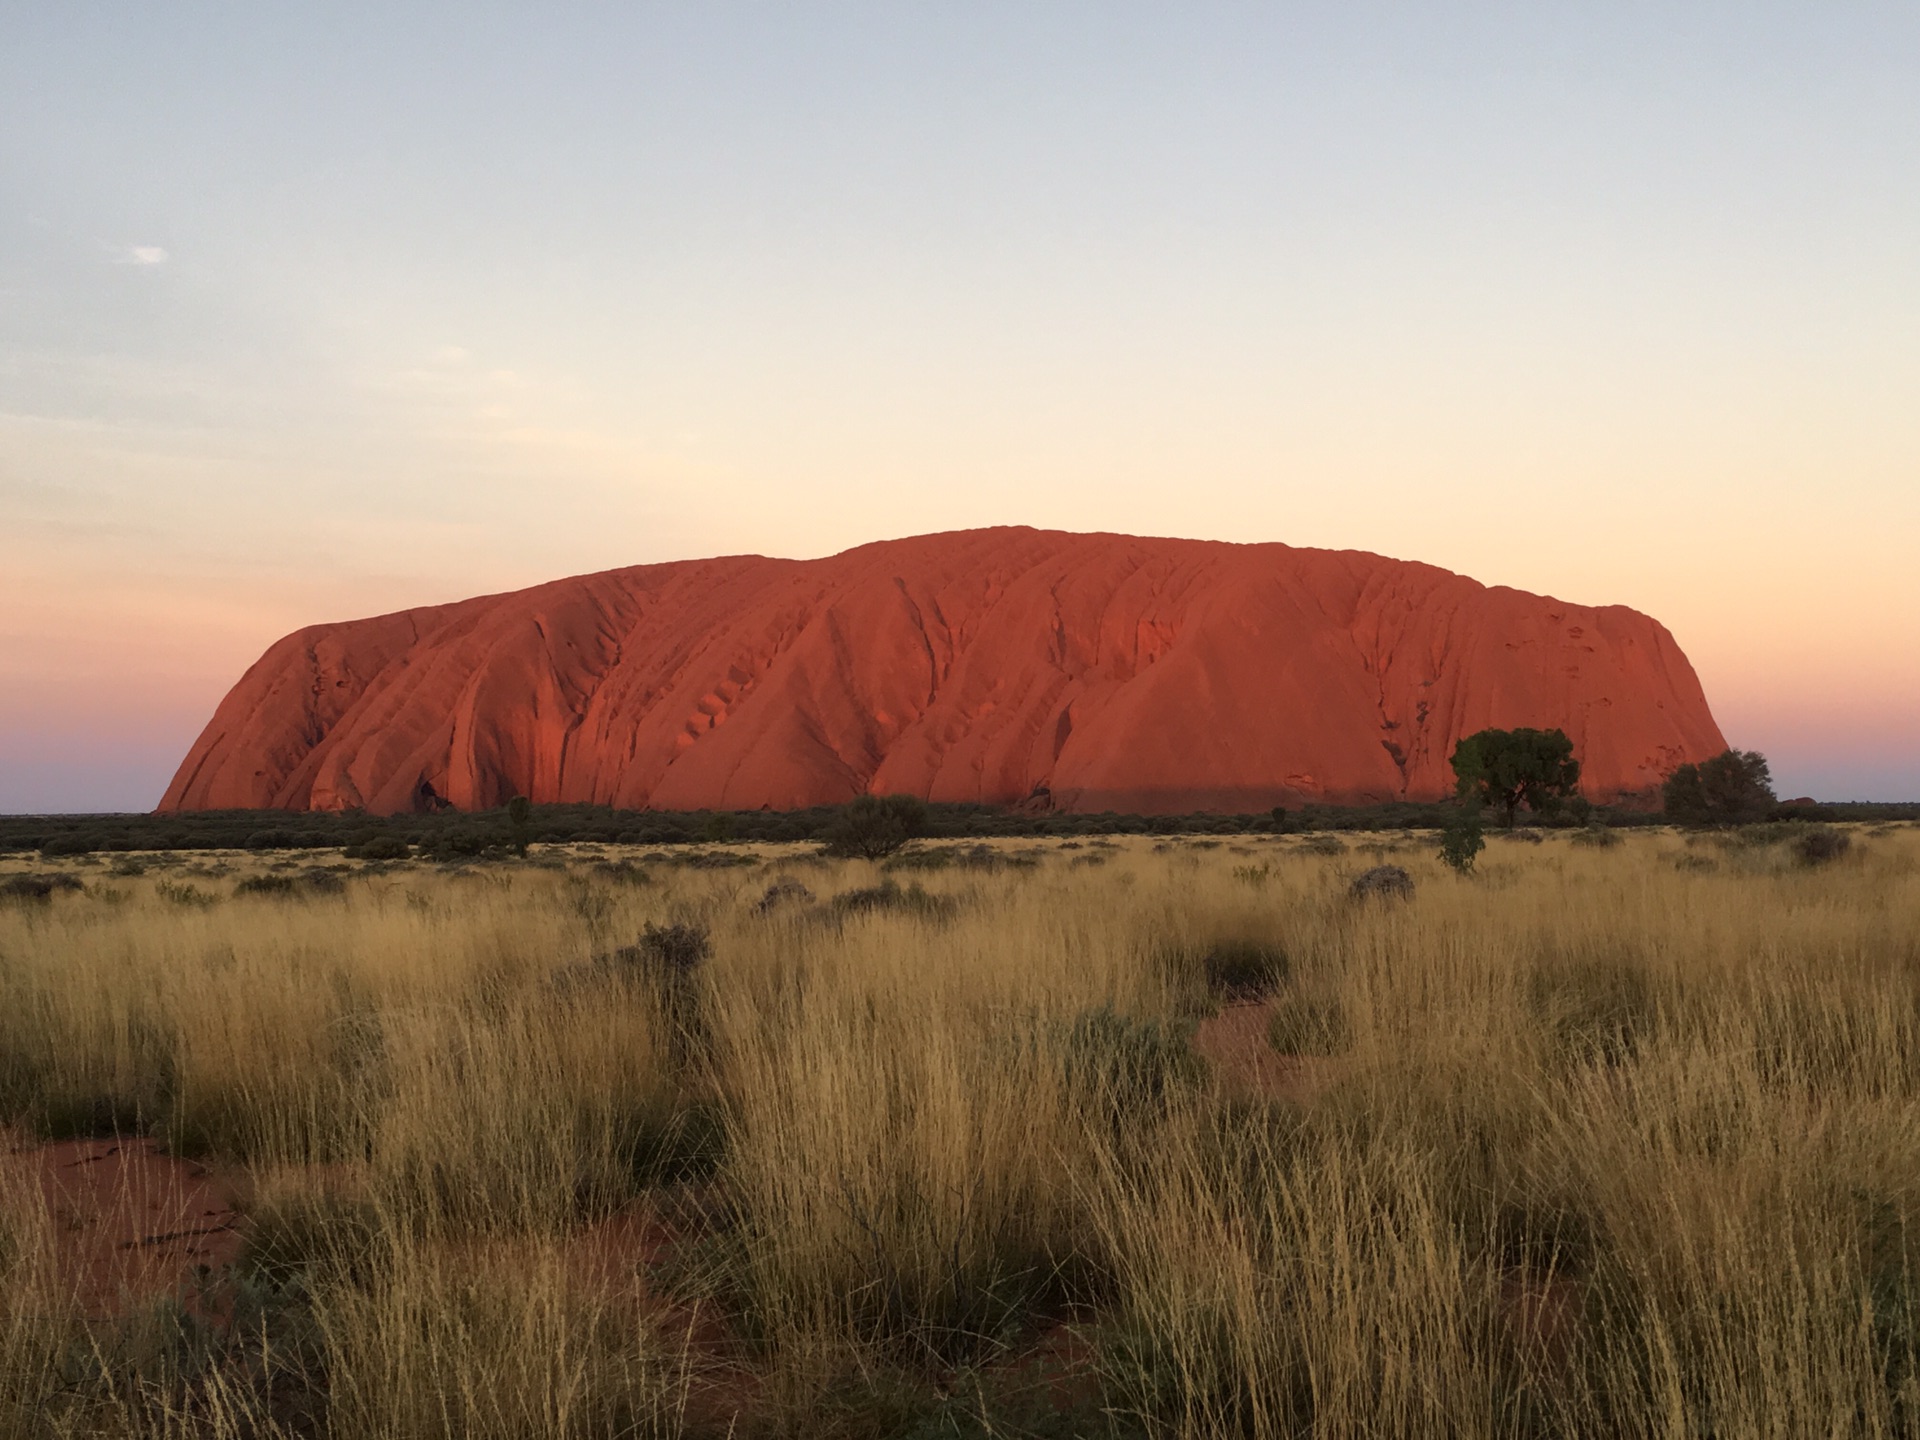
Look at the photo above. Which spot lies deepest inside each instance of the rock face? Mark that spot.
(1074, 672)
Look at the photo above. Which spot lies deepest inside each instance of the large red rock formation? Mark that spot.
(1085, 672)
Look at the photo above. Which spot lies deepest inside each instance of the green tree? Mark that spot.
(520, 822)
(1733, 788)
(871, 827)
(1462, 841)
(1511, 768)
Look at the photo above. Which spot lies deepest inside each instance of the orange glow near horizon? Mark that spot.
(300, 322)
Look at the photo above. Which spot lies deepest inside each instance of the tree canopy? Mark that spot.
(1511, 768)
(871, 827)
(1733, 788)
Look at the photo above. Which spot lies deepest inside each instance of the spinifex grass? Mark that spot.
(1598, 1144)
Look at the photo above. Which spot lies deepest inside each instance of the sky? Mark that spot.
(311, 312)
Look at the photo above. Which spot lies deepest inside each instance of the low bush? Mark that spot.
(70, 845)
(1382, 882)
(1243, 969)
(37, 887)
(287, 887)
(622, 872)
(716, 860)
(783, 892)
(922, 858)
(466, 843)
(872, 827)
(1733, 788)
(890, 896)
(1821, 844)
(1128, 1067)
(379, 847)
(267, 885)
(676, 948)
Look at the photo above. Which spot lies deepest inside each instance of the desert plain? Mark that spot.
(1143, 1136)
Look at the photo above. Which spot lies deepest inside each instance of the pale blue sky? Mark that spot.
(312, 315)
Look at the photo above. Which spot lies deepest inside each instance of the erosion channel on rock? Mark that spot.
(1076, 672)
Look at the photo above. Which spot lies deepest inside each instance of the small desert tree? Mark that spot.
(520, 822)
(1461, 842)
(871, 827)
(1511, 768)
(1733, 788)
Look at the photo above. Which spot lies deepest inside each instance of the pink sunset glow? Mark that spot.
(1615, 314)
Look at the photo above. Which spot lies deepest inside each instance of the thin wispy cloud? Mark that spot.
(140, 255)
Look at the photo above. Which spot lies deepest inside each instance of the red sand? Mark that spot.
(1073, 672)
(129, 1223)
(1235, 1042)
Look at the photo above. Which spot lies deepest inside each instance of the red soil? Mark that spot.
(1076, 672)
(1235, 1042)
(130, 1224)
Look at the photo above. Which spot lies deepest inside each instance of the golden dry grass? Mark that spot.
(1619, 1141)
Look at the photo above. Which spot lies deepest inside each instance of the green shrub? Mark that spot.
(1821, 844)
(1733, 788)
(70, 845)
(1462, 840)
(1382, 882)
(678, 947)
(783, 892)
(1511, 768)
(622, 872)
(1128, 1066)
(872, 827)
(376, 846)
(267, 885)
(1243, 969)
(939, 858)
(714, 860)
(889, 896)
(467, 842)
(37, 887)
(287, 887)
